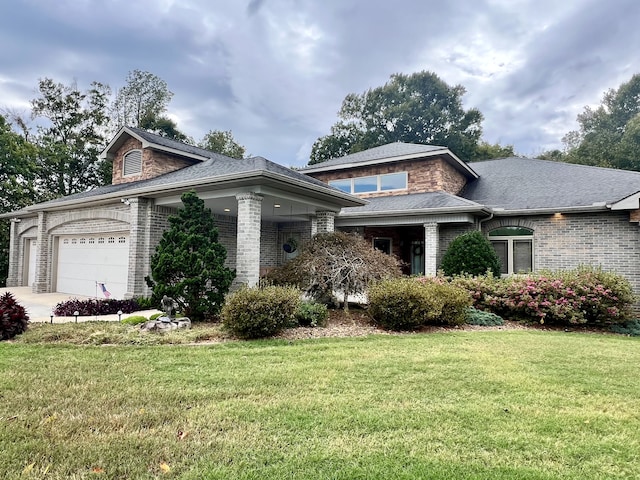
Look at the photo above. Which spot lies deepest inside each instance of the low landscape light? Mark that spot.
(75, 314)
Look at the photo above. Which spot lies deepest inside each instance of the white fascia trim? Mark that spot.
(412, 156)
(632, 202)
(422, 211)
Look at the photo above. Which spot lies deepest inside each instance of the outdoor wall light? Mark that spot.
(276, 205)
(75, 314)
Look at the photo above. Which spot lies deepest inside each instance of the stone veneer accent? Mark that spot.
(426, 175)
(154, 163)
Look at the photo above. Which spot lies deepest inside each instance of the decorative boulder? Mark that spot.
(165, 324)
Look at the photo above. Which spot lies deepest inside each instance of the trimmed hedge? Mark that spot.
(260, 312)
(410, 303)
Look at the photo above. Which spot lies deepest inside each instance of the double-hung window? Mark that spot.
(514, 246)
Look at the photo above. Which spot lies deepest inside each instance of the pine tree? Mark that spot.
(188, 264)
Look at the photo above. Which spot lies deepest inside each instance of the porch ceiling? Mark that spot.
(278, 207)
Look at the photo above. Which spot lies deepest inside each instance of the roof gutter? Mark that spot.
(550, 210)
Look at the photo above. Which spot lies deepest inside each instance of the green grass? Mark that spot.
(458, 405)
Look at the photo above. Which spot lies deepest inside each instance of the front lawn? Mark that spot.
(468, 404)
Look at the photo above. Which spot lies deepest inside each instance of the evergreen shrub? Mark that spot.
(312, 314)
(470, 253)
(188, 264)
(410, 303)
(13, 317)
(260, 312)
(482, 318)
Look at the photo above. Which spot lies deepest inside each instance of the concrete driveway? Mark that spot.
(40, 306)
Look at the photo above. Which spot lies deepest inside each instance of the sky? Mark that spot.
(275, 72)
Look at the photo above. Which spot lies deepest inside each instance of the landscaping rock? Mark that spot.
(165, 324)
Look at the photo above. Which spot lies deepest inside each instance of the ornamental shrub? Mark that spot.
(631, 328)
(470, 253)
(312, 314)
(260, 312)
(13, 317)
(95, 307)
(336, 262)
(585, 295)
(409, 303)
(482, 318)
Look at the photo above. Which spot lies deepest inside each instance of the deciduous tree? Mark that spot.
(222, 142)
(71, 138)
(417, 108)
(145, 96)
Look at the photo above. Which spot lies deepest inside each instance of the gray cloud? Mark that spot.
(275, 72)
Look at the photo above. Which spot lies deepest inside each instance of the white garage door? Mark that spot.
(85, 262)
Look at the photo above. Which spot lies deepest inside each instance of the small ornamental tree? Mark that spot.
(470, 253)
(337, 262)
(188, 264)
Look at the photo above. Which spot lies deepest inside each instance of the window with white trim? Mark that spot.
(514, 246)
(383, 244)
(372, 183)
(132, 163)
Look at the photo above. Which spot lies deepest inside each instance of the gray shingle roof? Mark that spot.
(524, 183)
(215, 167)
(174, 144)
(413, 202)
(388, 151)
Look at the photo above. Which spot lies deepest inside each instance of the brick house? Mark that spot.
(537, 214)
(407, 199)
(108, 234)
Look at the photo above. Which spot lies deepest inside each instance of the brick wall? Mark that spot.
(426, 175)
(566, 241)
(154, 163)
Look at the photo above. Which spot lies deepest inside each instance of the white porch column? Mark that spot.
(430, 248)
(248, 238)
(43, 260)
(13, 277)
(325, 222)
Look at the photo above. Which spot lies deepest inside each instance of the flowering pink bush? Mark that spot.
(585, 295)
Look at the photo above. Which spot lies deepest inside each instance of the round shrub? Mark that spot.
(312, 314)
(260, 312)
(470, 253)
(13, 317)
(134, 320)
(409, 303)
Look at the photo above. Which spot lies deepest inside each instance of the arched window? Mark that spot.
(132, 163)
(514, 246)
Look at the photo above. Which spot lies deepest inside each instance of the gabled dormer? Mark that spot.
(395, 169)
(139, 155)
